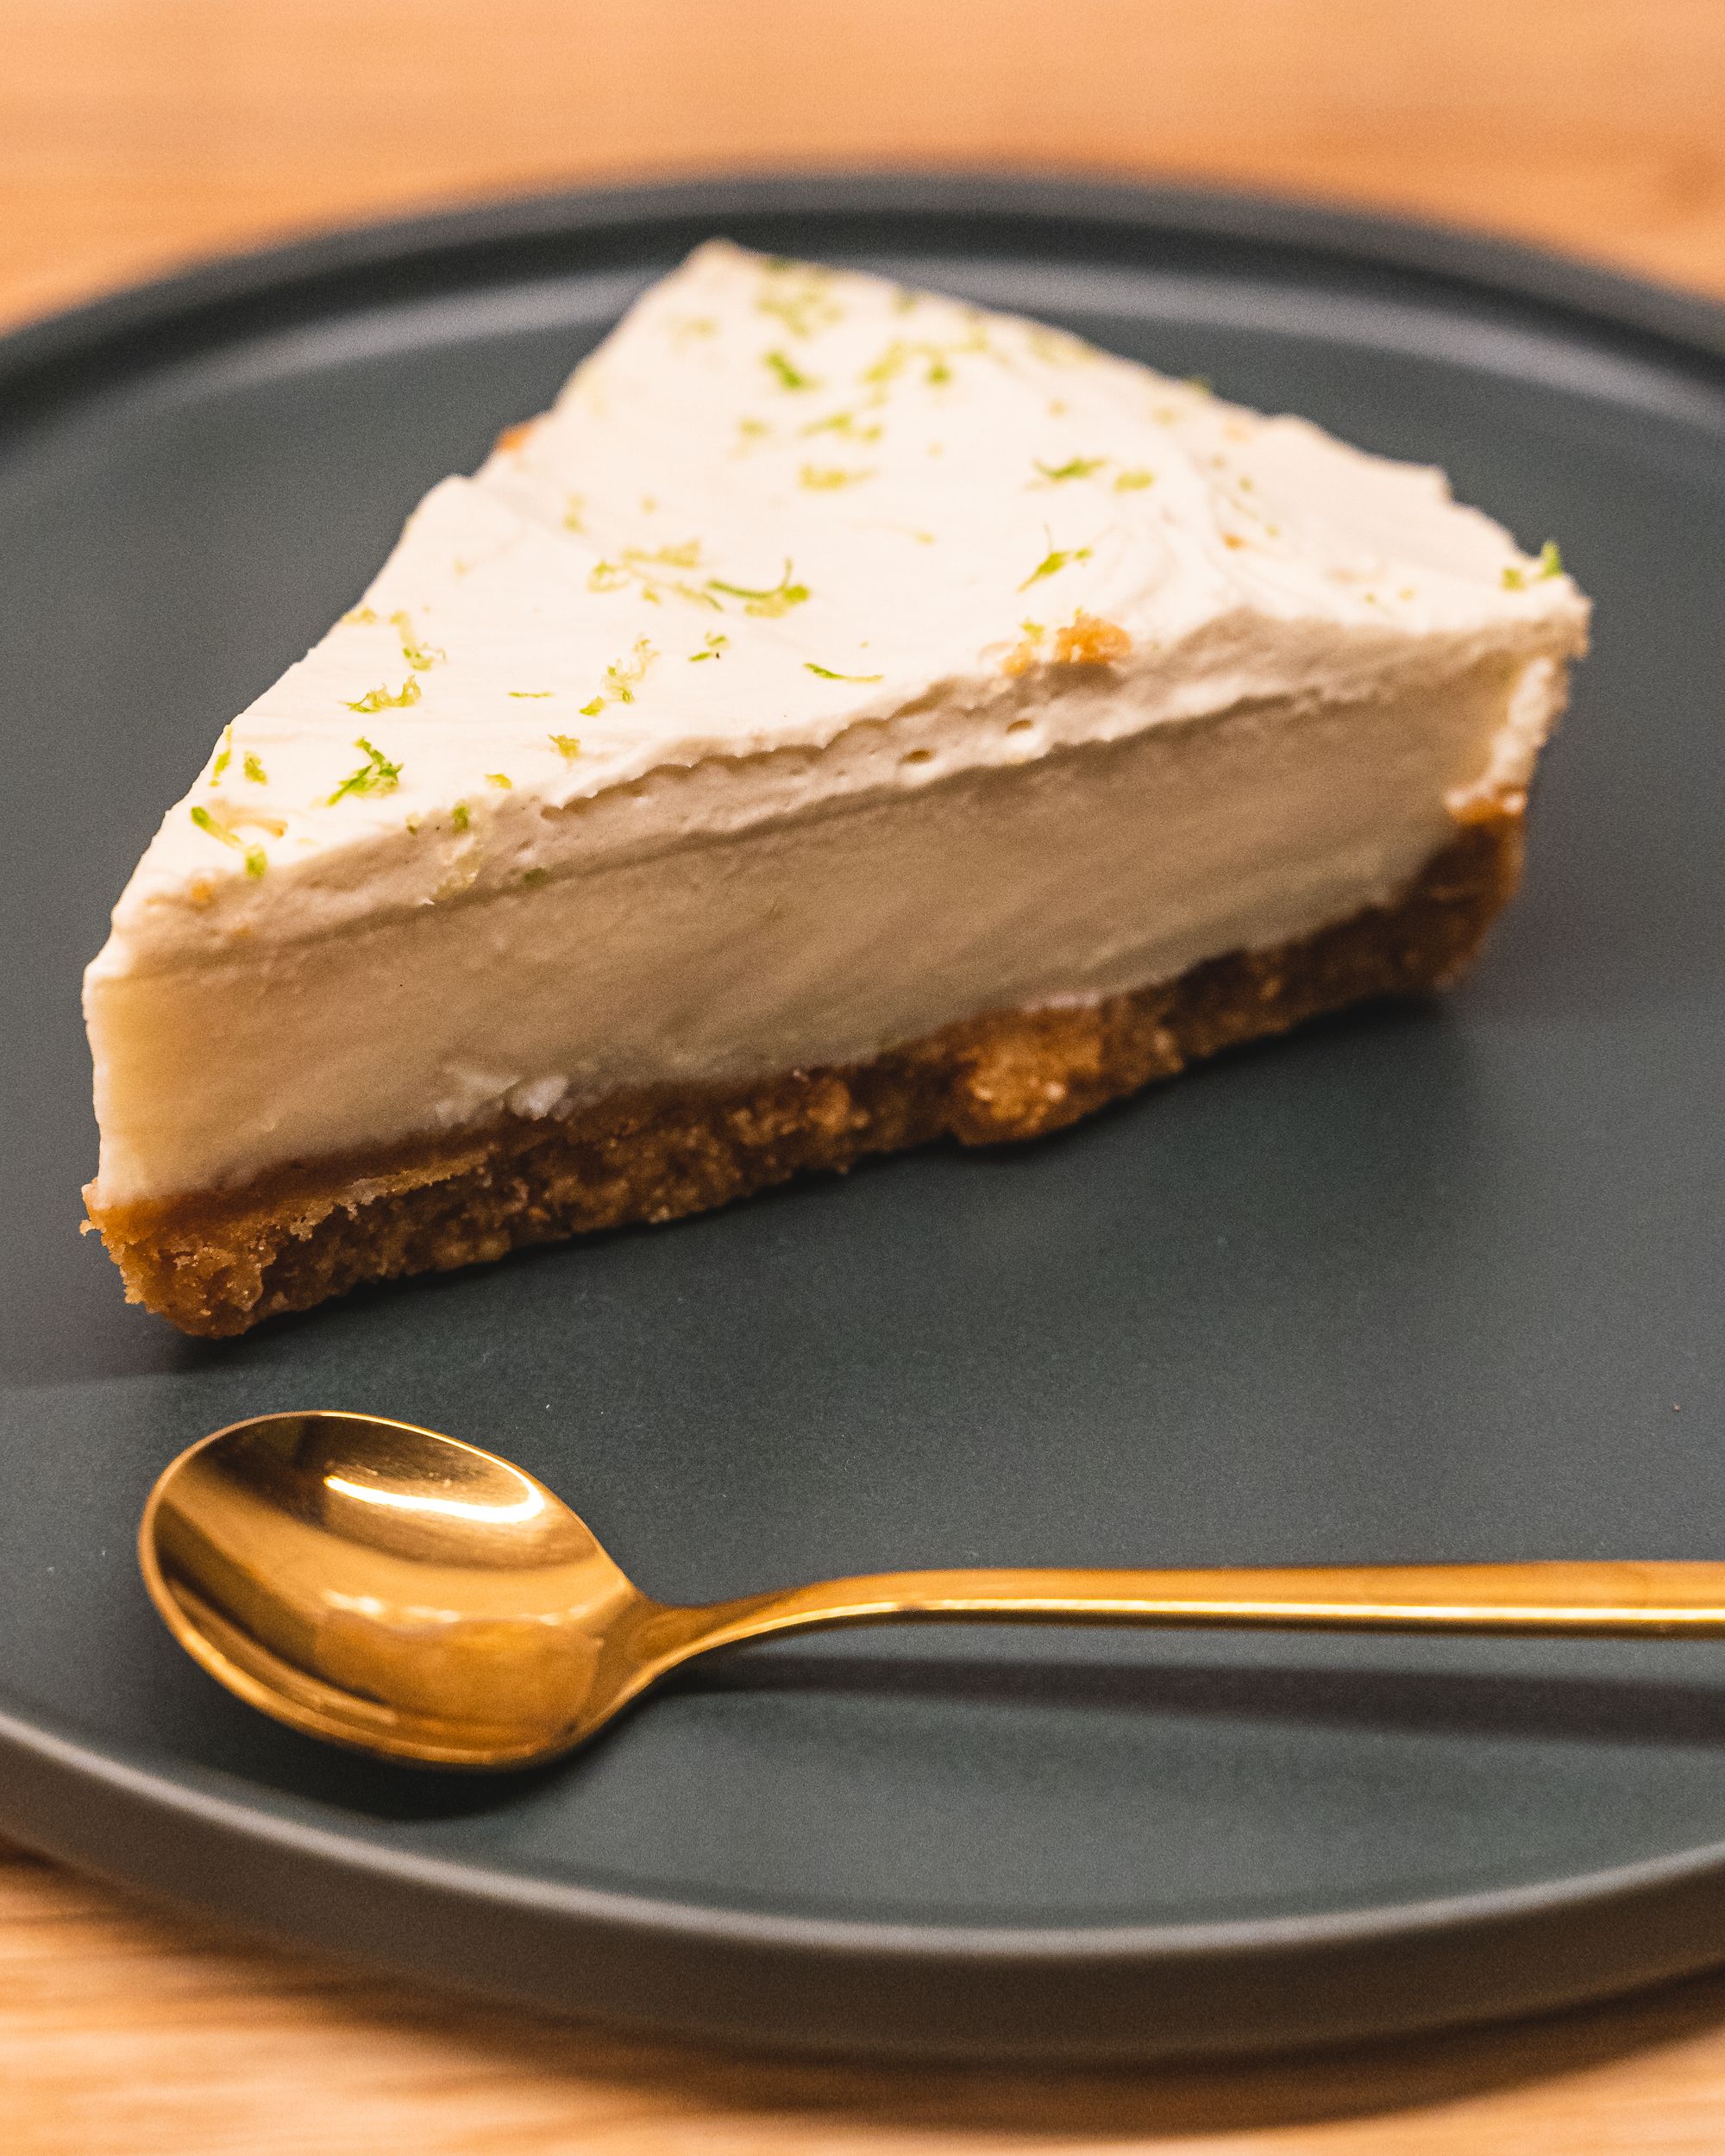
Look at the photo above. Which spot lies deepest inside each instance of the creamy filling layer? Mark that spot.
(822, 938)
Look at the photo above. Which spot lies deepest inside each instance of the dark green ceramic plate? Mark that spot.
(1432, 1281)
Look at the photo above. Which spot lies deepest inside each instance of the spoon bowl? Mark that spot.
(394, 1589)
(410, 1595)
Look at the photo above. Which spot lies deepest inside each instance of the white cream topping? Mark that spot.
(792, 542)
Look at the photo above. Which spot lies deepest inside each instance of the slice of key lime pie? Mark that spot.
(848, 717)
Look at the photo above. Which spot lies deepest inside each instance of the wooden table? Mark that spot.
(137, 133)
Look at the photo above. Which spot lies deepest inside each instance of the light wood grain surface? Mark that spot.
(139, 134)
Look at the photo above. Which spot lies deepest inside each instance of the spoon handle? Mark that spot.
(1606, 1598)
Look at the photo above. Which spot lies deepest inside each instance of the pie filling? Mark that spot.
(809, 941)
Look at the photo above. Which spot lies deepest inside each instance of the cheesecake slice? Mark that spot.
(849, 717)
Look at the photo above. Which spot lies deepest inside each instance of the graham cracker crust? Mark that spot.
(217, 1265)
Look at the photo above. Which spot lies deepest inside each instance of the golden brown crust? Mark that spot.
(217, 1265)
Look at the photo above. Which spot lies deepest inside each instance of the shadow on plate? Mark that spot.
(1599, 1710)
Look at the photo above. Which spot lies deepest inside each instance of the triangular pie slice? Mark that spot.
(849, 717)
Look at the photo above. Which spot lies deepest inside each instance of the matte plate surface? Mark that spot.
(1433, 1281)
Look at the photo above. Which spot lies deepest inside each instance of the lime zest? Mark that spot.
(684, 555)
(377, 775)
(901, 351)
(256, 860)
(567, 745)
(770, 604)
(1073, 468)
(380, 700)
(803, 312)
(846, 423)
(827, 674)
(421, 657)
(253, 769)
(1054, 562)
(827, 479)
(787, 373)
(643, 567)
(622, 679)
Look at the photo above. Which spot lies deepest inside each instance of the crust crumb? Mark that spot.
(1021, 658)
(1088, 641)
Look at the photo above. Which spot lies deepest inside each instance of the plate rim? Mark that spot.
(198, 1794)
(36, 353)
(54, 363)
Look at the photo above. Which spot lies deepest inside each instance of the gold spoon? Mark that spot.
(412, 1596)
